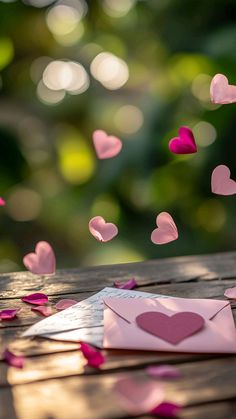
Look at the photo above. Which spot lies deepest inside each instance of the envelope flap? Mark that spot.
(129, 309)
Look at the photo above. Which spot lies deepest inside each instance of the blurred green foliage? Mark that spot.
(164, 54)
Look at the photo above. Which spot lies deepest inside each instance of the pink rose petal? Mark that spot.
(101, 230)
(221, 183)
(166, 231)
(163, 371)
(2, 202)
(38, 299)
(12, 359)
(94, 357)
(9, 314)
(128, 285)
(166, 410)
(230, 293)
(138, 397)
(66, 303)
(43, 261)
(44, 310)
(106, 146)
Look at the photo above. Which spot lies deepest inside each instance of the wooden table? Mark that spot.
(54, 382)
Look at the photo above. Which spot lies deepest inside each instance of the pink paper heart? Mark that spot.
(185, 143)
(94, 357)
(172, 329)
(230, 293)
(9, 314)
(163, 371)
(43, 261)
(38, 299)
(138, 397)
(221, 184)
(64, 304)
(101, 230)
(106, 146)
(46, 311)
(221, 91)
(166, 231)
(128, 285)
(13, 360)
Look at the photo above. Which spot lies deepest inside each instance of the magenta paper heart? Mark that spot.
(221, 91)
(185, 143)
(101, 230)
(2, 202)
(166, 410)
(172, 329)
(166, 231)
(138, 397)
(106, 146)
(43, 261)
(221, 184)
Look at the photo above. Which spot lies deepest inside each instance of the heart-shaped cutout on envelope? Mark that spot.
(172, 329)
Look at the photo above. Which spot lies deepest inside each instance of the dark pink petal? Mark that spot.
(44, 310)
(8, 314)
(66, 303)
(12, 359)
(166, 410)
(128, 285)
(2, 202)
(37, 299)
(163, 371)
(94, 357)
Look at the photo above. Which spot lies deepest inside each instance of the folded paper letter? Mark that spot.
(173, 325)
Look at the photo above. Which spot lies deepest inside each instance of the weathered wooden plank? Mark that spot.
(69, 398)
(187, 268)
(201, 289)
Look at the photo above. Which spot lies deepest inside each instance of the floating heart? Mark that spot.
(106, 146)
(185, 143)
(172, 329)
(138, 397)
(101, 230)
(43, 261)
(166, 231)
(221, 91)
(221, 184)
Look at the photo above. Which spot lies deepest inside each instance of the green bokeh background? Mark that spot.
(50, 177)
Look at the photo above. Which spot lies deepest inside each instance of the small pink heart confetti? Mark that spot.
(221, 184)
(166, 410)
(101, 230)
(128, 285)
(43, 261)
(221, 91)
(163, 371)
(46, 311)
(2, 202)
(166, 231)
(138, 397)
(106, 146)
(94, 357)
(38, 299)
(64, 304)
(230, 293)
(185, 143)
(9, 314)
(13, 360)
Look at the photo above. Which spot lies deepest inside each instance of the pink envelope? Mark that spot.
(121, 330)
